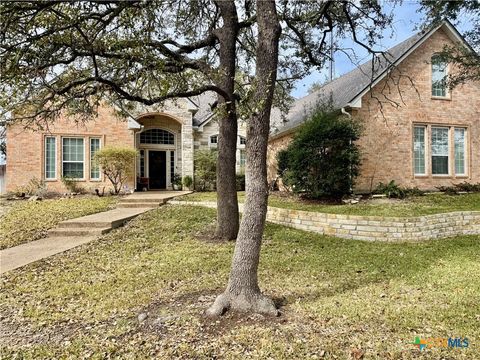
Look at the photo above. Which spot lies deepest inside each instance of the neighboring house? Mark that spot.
(415, 130)
(166, 139)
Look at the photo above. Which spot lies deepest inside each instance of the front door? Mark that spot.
(157, 169)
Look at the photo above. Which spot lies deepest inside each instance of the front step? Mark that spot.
(57, 232)
(148, 205)
(141, 200)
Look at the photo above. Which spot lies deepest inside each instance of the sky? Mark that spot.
(406, 19)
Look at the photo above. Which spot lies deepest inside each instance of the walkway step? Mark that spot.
(128, 199)
(78, 231)
(130, 205)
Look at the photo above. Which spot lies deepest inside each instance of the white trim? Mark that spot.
(90, 158)
(465, 163)
(211, 144)
(45, 157)
(83, 140)
(425, 145)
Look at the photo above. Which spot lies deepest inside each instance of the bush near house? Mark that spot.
(322, 160)
(116, 163)
(205, 170)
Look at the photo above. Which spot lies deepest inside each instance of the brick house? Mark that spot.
(415, 130)
(166, 138)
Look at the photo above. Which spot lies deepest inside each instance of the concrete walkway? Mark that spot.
(75, 232)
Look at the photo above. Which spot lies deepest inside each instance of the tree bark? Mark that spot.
(227, 202)
(242, 292)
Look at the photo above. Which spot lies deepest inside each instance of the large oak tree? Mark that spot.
(70, 56)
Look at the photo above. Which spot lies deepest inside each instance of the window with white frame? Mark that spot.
(447, 150)
(50, 158)
(439, 76)
(73, 157)
(214, 140)
(243, 140)
(242, 158)
(459, 152)
(419, 149)
(94, 168)
(440, 154)
(157, 136)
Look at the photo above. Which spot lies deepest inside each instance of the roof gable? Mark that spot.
(348, 89)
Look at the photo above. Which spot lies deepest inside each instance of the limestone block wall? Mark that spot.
(372, 228)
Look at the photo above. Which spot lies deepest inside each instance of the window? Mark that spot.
(459, 138)
(73, 158)
(142, 163)
(172, 164)
(419, 149)
(50, 157)
(242, 158)
(214, 140)
(440, 151)
(439, 77)
(94, 168)
(157, 136)
(243, 140)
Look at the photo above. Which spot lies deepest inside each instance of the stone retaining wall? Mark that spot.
(372, 227)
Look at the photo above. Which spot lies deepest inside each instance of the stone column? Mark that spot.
(187, 146)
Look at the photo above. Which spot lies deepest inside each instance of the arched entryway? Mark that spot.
(159, 143)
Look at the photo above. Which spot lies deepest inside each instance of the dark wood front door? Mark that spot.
(157, 168)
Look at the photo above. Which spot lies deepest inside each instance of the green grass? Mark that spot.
(414, 206)
(29, 220)
(339, 297)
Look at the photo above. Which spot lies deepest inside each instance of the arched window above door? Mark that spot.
(157, 136)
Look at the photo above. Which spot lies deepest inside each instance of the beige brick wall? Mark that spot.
(26, 148)
(371, 228)
(387, 140)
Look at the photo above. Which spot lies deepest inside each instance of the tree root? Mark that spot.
(254, 303)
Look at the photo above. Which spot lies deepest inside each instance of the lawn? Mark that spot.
(29, 220)
(414, 206)
(340, 299)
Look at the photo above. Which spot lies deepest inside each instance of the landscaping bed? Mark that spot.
(140, 291)
(25, 220)
(412, 206)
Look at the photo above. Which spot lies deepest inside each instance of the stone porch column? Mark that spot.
(187, 147)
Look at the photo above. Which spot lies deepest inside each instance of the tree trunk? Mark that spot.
(243, 292)
(227, 202)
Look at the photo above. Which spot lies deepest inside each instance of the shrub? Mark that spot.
(34, 187)
(205, 170)
(117, 164)
(322, 160)
(187, 181)
(462, 187)
(393, 190)
(72, 185)
(240, 179)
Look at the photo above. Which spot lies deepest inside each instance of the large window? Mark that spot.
(73, 158)
(419, 149)
(440, 151)
(460, 151)
(50, 157)
(242, 158)
(94, 168)
(439, 76)
(157, 136)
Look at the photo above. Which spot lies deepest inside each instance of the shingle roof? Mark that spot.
(342, 90)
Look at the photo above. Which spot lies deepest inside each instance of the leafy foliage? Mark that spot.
(187, 181)
(205, 170)
(393, 190)
(322, 160)
(240, 179)
(72, 185)
(35, 186)
(30, 220)
(117, 164)
(461, 187)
